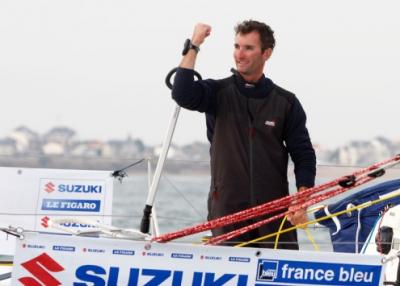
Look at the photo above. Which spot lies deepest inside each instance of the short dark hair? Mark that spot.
(266, 34)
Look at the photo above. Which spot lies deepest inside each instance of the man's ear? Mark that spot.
(267, 53)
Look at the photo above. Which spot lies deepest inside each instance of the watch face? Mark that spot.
(186, 47)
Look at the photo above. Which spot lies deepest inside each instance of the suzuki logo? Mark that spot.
(45, 221)
(40, 267)
(49, 187)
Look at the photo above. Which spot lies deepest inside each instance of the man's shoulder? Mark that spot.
(217, 83)
(224, 82)
(284, 93)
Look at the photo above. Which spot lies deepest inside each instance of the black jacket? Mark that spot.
(252, 130)
(201, 96)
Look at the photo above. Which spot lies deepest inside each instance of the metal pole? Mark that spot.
(145, 223)
(154, 221)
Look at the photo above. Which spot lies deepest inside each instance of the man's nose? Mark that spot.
(239, 53)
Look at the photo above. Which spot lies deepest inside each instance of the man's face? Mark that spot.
(248, 56)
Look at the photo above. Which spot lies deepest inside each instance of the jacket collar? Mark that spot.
(259, 89)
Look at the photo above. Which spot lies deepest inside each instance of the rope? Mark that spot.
(221, 238)
(307, 231)
(279, 230)
(361, 206)
(311, 239)
(283, 203)
(100, 228)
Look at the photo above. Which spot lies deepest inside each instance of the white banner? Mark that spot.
(68, 260)
(30, 197)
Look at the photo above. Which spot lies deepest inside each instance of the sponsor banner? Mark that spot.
(71, 195)
(69, 260)
(71, 205)
(316, 273)
(44, 222)
(30, 197)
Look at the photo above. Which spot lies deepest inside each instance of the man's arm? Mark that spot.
(299, 146)
(303, 156)
(190, 94)
(201, 31)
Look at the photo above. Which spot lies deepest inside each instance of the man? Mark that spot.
(252, 125)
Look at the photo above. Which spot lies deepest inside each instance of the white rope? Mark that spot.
(359, 226)
(97, 227)
(334, 219)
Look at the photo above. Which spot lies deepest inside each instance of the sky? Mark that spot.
(98, 66)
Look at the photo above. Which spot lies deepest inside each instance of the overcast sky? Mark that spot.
(99, 66)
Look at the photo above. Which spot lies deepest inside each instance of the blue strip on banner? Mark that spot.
(182, 255)
(123, 252)
(270, 272)
(239, 259)
(63, 248)
(71, 205)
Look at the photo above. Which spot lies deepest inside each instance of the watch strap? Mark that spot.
(189, 45)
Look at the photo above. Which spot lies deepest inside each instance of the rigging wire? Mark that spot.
(183, 196)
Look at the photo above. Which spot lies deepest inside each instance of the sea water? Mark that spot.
(180, 202)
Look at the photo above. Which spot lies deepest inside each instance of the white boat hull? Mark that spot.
(72, 260)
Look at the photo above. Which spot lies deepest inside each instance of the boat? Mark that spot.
(99, 254)
(105, 255)
(96, 253)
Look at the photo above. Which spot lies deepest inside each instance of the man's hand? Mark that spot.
(300, 216)
(201, 31)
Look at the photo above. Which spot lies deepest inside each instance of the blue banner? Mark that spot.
(270, 272)
(71, 205)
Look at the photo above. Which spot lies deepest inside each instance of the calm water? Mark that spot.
(180, 201)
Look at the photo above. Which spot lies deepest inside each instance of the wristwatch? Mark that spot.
(187, 46)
